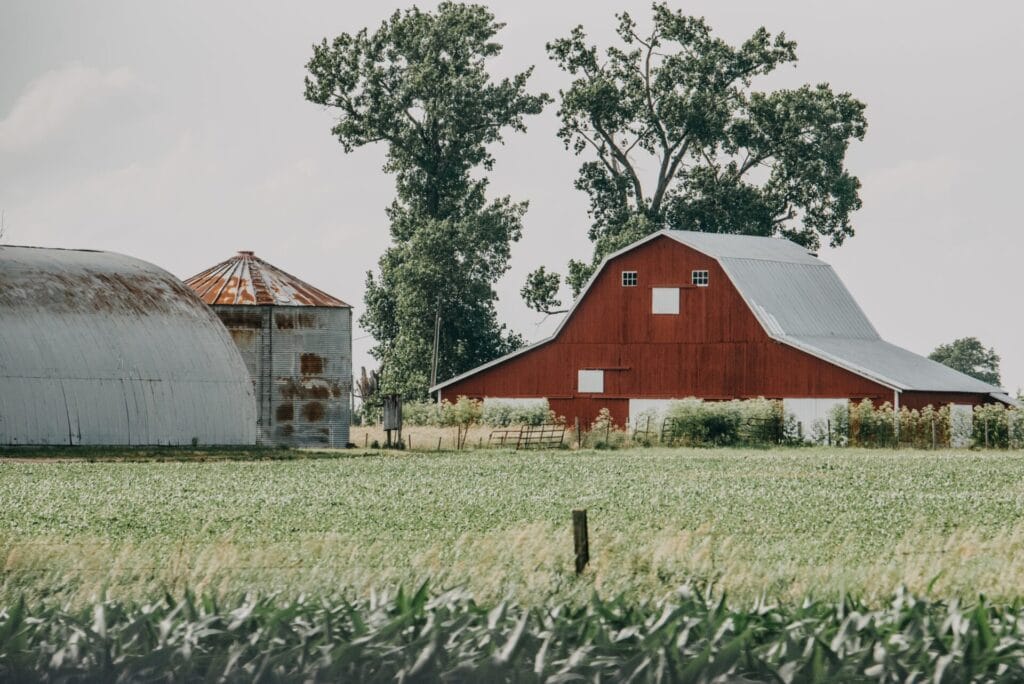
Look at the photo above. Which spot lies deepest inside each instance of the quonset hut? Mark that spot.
(297, 343)
(99, 348)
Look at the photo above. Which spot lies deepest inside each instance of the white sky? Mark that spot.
(178, 133)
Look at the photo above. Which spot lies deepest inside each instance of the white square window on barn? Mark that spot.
(590, 381)
(665, 300)
(629, 279)
(699, 278)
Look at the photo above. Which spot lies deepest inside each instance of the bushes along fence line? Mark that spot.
(750, 422)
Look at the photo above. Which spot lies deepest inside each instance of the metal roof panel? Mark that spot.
(247, 279)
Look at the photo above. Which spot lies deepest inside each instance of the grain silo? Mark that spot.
(102, 349)
(297, 343)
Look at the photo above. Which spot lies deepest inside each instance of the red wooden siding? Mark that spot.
(715, 348)
(918, 400)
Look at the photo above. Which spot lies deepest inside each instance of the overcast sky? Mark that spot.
(178, 133)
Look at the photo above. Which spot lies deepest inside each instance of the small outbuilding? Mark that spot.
(98, 348)
(296, 341)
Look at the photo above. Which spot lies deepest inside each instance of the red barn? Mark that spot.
(684, 314)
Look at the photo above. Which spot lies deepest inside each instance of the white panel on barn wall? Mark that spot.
(961, 425)
(590, 381)
(812, 414)
(655, 408)
(664, 300)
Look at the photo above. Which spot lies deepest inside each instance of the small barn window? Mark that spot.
(665, 300)
(629, 279)
(699, 278)
(590, 381)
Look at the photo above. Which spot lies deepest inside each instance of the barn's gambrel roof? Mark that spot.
(800, 301)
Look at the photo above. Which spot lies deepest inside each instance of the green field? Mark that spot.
(785, 523)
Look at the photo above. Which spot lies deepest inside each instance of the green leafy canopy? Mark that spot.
(420, 84)
(968, 355)
(675, 136)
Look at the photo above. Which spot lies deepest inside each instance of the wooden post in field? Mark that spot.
(581, 539)
(409, 442)
(438, 443)
(828, 425)
(579, 440)
(933, 432)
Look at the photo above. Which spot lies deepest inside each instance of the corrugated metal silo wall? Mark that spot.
(250, 328)
(300, 359)
(312, 376)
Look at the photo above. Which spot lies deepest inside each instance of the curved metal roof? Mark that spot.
(100, 348)
(247, 279)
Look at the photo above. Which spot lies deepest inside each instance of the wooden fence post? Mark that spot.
(933, 433)
(579, 440)
(581, 539)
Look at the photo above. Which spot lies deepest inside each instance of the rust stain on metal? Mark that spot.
(311, 364)
(241, 319)
(242, 336)
(313, 411)
(289, 321)
(309, 388)
(285, 413)
(247, 279)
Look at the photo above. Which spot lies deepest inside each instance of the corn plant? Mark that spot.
(448, 637)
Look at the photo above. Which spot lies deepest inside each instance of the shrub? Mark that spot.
(695, 422)
(463, 413)
(497, 413)
(603, 434)
(994, 426)
(421, 413)
(870, 426)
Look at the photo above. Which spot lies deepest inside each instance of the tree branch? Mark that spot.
(618, 154)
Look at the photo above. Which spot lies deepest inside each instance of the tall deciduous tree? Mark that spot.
(420, 84)
(676, 137)
(968, 355)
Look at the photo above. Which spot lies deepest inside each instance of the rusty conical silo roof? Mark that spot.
(247, 279)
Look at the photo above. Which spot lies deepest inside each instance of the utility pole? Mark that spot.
(437, 340)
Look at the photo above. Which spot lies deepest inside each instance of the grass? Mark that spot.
(785, 523)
